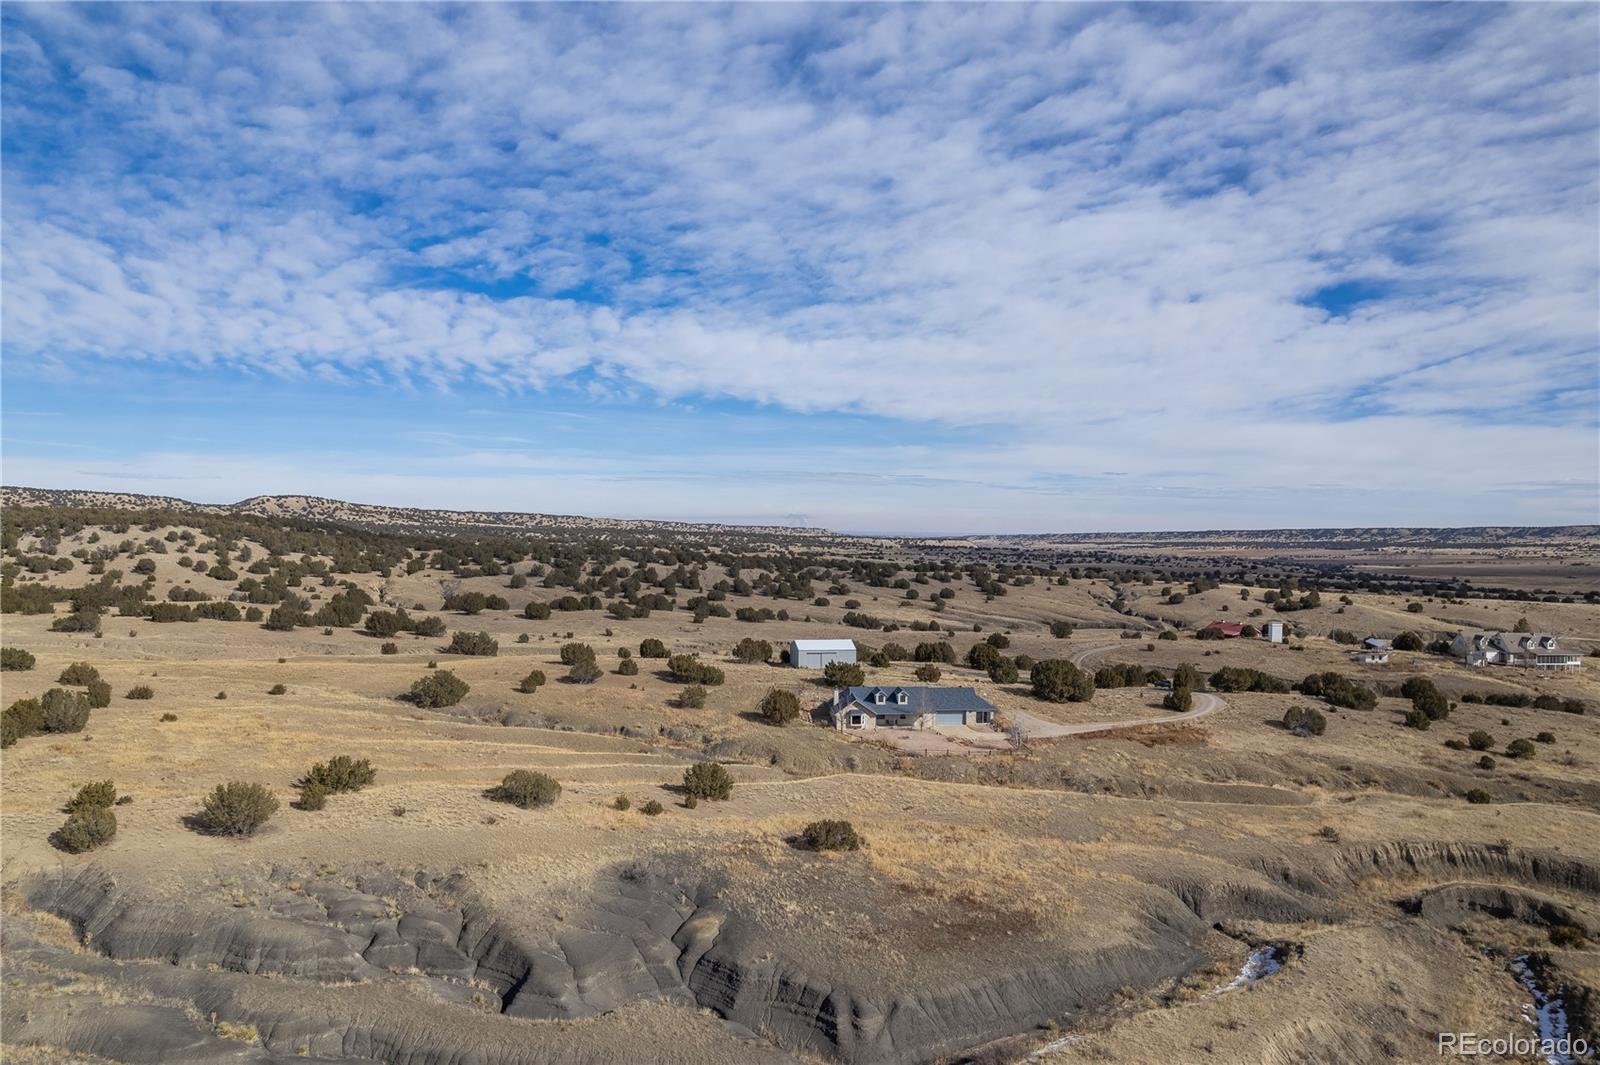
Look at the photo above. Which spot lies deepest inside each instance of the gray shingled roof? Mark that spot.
(919, 700)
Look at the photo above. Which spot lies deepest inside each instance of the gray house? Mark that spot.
(1538, 650)
(868, 707)
(814, 654)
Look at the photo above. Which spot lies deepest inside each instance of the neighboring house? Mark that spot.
(1373, 643)
(868, 707)
(1372, 657)
(814, 654)
(1537, 650)
(1273, 631)
(1229, 629)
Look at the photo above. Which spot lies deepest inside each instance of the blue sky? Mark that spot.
(898, 268)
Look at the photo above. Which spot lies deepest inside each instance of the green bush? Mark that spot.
(527, 789)
(830, 836)
(78, 674)
(442, 688)
(342, 773)
(98, 693)
(1479, 797)
(1486, 762)
(1237, 679)
(1003, 672)
(63, 711)
(621, 802)
(1479, 740)
(652, 808)
(21, 719)
(583, 672)
(389, 647)
(1120, 675)
(692, 697)
(1407, 641)
(982, 655)
(690, 802)
(690, 669)
(1305, 721)
(236, 809)
(844, 674)
(939, 652)
(98, 793)
(1520, 748)
(573, 653)
(652, 648)
(87, 828)
(1339, 690)
(1545, 737)
(15, 659)
(707, 780)
(1057, 680)
(1167, 634)
(313, 796)
(473, 643)
(140, 691)
(169, 716)
(752, 650)
(532, 682)
(628, 668)
(1061, 629)
(779, 707)
(1179, 699)
(277, 689)
(928, 673)
(1418, 720)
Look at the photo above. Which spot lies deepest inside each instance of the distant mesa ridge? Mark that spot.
(415, 520)
(375, 516)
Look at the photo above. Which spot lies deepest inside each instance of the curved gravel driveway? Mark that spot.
(1037, 728)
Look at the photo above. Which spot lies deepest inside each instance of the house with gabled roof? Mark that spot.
(1538, 650)
(868, 707)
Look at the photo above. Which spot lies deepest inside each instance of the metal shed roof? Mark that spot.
(825, 645)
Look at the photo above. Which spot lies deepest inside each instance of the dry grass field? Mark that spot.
(1069, 900)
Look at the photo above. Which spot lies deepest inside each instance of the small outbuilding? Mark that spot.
(814, 654)
(1273, 631)
(1228, 630)
(1372, 657)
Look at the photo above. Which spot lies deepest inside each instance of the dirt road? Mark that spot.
(1037, 728)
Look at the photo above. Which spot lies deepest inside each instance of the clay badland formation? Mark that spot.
(1296, 868)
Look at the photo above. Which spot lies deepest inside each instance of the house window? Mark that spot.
(900, 698)
(855, 720)
(878, 698)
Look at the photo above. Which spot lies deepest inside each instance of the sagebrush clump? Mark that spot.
(15, 659)
(342, 773)
(439, 689)
(707, 780)
(527, 789)
(87, 828)
(830, 835)
(236, 809)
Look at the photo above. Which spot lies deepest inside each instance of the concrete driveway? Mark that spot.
(1037, 728)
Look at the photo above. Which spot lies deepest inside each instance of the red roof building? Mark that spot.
(1229, 629)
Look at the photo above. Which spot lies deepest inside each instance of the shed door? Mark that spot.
(949, 717)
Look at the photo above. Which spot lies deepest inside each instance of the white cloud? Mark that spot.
(1095, 227)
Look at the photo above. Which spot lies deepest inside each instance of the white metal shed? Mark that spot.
(814, 654)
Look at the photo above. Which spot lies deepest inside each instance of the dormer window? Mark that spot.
(900, 697)
(878, 698)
